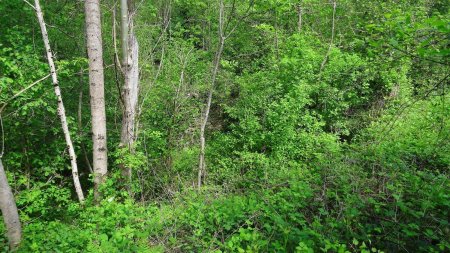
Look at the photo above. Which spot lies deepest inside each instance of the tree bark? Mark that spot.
(216, 64)
(130, 91)
(9, 211)
(124, 28)
(61, 109)
(97, 93)
(300, 17)
(130, 94)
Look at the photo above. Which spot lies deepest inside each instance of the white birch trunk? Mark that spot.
(61, 110)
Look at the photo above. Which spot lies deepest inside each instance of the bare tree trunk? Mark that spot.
(124, 23)
(97, 92)
(300, 17)
(61, 110)
(9, 211)
(223, 35)
(130, 91)
(202, 162)
(332, 38)
(80, 125)
(130, 94)
(275, 26)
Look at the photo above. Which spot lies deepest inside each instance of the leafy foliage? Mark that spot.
(312, 146)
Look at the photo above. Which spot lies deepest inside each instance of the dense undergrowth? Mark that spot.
(371, 196)
(312, 146)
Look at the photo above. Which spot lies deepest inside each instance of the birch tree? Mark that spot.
(97, 93)
(61, 109)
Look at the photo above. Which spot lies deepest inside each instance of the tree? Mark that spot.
(216, 63)
(8, 204)
(97, 92)
(332, 38)
(61, 109)
(130, 90)
(223, 36)
(9, 211)
(299, 17)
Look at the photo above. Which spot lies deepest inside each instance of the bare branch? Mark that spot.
(332, 38)
(22, 91)
(32, 6)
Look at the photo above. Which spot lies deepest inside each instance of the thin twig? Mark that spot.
(22, 91)
(32, 6)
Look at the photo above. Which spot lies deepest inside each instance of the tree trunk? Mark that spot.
(97, 92)
(130, 91)
(124, 23)
(300, 17)
(61, 110)
(130, 94)
(80, 133)
(9, 211)
(216, 64)
(331, 40)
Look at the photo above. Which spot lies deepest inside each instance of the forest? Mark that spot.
(225, 126)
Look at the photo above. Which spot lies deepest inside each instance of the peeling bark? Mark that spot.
(130, 90)
(130, 94)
